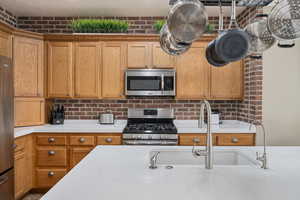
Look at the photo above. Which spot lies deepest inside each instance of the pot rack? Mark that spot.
(242, 3)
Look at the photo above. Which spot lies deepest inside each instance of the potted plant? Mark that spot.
(99, 26)
(158, 25)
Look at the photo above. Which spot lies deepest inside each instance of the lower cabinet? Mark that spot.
(23, 165)
(77, 154)
(46, 178)
(219, 139)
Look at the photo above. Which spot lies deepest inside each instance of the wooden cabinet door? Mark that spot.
(77, 154)
(29, 111)
(87, 69)
(5, 44)
(60, 69)
(113, 63)
(138, 55)
(193, 73)
(160, 59)
(20, 174)
(28, 67)
(227, 81)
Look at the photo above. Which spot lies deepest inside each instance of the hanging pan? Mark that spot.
(187, 20)
(261, 39)
(284, 20)
(232, 44)
(210, 52)
(169, 45)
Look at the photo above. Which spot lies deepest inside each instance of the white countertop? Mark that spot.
(121, 172)
(92, 126)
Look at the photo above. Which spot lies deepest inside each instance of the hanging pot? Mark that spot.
(170, 45)
(210, 53)
(261, 39)
(232, 44)
(187, 20)
(284, 20)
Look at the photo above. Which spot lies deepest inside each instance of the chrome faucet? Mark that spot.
(262, 158)
(208, 152)
(153, 161)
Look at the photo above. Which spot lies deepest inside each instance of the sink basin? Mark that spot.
(185, 158)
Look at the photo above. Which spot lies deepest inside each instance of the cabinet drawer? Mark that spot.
(235, 140)
(51, 140)
(109, 140)
(52, 156)
(82, 140)
(192, 139)
(46, 178)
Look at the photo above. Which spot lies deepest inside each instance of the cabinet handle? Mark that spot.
(50, 174)
(15, 146)
(81, 140)
(50, 140)
(51, 153)
(108, 140)
(196, 140)
(235, 140)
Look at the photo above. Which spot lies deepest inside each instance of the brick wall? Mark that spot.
(184, 109)
(61, 24)
(7, 17)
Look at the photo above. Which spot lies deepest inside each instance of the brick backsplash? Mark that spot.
(7, 17)
(183, 109)
(138, 25)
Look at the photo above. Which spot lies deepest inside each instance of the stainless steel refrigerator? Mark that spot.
(6, 129)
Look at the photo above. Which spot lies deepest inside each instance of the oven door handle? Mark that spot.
(162, 82)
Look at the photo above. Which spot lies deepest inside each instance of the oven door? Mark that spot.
(149, 83)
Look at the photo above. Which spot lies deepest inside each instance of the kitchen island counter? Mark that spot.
(121, 172)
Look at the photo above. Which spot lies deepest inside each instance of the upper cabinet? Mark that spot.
(138, 55)
(87, 69)
(5, 44)
(227, 82)
(193, 73)
(28, 67)
(60, 69)
(160, 59)
(147, 55)
(113, 63)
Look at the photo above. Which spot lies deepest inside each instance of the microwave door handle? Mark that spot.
(162, 82)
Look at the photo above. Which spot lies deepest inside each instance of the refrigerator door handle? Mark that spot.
(3, 180)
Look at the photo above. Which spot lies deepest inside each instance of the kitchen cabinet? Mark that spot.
(60, 69)
(29, 111)
(227, 82)
(23, 166)
(110, 139)
(147, 55)
(77, 154)
(87, 69)
(46, 178)
(28, 67)
(219, 139)
(138, 55)
(160, 59)
(113, 67)
(193, 73)
(5, 44)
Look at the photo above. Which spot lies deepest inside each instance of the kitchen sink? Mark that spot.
(186, 158)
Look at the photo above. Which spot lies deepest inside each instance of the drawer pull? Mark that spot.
(51, 153)
(51, 140)
(50, 174)
(196, 140)
(15, 146)
(108, 140)
(235, 140)
(81, 140)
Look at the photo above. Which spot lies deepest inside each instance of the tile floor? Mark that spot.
(32, 196)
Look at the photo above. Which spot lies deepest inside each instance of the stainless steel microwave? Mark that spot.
(150, 82)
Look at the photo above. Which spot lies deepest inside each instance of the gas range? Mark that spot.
(150, 127)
